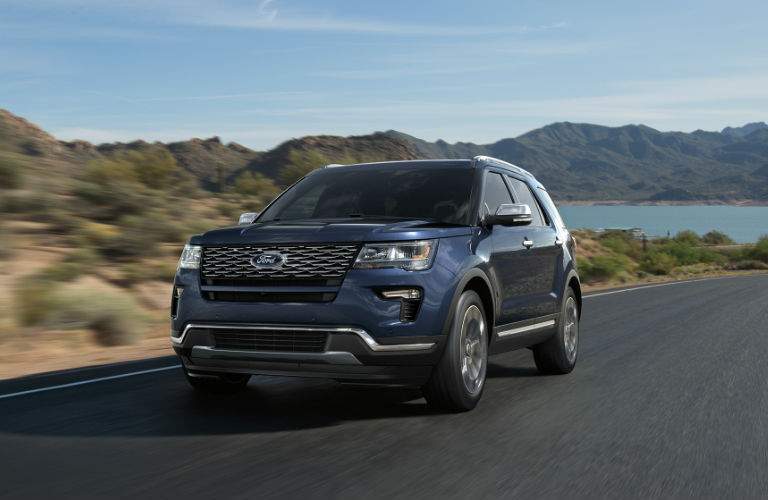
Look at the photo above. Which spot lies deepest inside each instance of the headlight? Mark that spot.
(190, 257)
(408, 255)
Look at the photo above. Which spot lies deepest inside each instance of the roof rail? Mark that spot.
(501, 163)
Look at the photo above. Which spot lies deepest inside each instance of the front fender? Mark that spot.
(460, 286)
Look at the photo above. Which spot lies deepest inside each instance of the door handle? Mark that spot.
(527, 243)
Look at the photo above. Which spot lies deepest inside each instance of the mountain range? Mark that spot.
(576, 161)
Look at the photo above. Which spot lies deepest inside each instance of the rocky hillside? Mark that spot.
(576, 161)
(634, 162)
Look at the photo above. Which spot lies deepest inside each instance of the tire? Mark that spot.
(228, 383)
(458, 379)
(557, 356)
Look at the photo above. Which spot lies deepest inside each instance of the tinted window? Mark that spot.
(552, 209)
(523, 195)
(437, 193)
(495, 193)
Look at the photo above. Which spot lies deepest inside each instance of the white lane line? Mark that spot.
(643, 287)
(89, 381)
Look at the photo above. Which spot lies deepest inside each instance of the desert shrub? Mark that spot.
(603, 267)
(716, 238)
(104, 172)
(34, 298)
(109, 202)
(97, 234)
(688, 237)
(62, 221)
(64, 271)
(759, 251)
(228, 208)
(11, 176)
(36, 294)
(621, 243)
(138, 237)
(155, 168)
(128, 185)
(136, 272)
(300, 163)
(686, 253)
(746, 265)
(30, 204)
(655, 262)
(231, 206)
(6, 250)
(114, 316)
(255, 184)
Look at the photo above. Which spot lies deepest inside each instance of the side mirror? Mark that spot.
(510, 214)
(247, 218)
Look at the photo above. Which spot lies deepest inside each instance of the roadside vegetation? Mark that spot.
(88, 248)
(619, 257)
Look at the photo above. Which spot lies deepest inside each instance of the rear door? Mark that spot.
(544, 255)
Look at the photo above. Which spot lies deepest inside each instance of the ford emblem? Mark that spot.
(268, 260)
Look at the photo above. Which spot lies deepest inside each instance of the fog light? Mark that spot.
(410, 301)
(402, 293)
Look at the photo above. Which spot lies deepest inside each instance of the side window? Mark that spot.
(523, 195)
(552, 209)
(495, 193)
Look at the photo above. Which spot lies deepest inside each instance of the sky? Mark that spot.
(264, 71)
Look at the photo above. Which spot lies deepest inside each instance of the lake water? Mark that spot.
(743, 224)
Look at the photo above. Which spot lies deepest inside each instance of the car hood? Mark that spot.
(328, 231)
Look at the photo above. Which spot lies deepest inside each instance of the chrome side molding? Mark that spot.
(527, 328)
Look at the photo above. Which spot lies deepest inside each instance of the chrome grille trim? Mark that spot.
(301, 262)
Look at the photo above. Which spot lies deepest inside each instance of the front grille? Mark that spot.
(270, 340)
(300, 263)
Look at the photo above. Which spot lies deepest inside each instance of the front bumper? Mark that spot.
(367, 339)
(350, 354)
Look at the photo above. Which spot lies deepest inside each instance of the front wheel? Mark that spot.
(458, 379)
(557, 356)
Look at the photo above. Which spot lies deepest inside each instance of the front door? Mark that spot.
(544, 253)
(512, 262)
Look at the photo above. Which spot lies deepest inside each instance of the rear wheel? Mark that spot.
(458, 379)
(228, 383)
(557, 356)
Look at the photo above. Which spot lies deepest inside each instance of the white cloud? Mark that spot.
(676, 104)
(257, 96)
(265, 15)
(259, 19)
(398, 72)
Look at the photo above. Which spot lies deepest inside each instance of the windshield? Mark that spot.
(434, 193)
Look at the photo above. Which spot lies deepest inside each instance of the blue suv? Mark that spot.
(407, 273)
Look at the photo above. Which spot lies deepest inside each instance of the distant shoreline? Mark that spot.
(732, 203)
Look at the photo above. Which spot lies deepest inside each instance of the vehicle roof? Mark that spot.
(477, 161)
(413, 163)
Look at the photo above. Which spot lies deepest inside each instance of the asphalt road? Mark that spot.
(669, 398)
